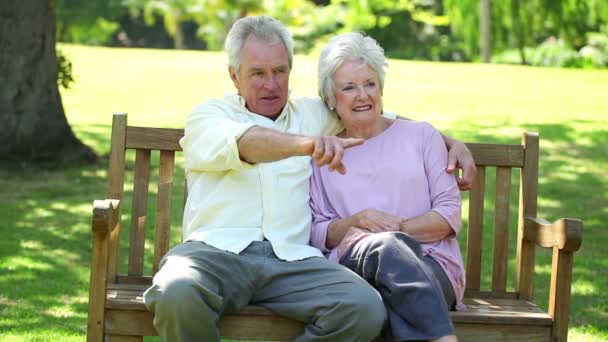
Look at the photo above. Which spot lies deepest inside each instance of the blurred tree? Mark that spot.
(34, 126)
(404, 28)
(519, 30)
(485, 25)
(173, 12)
(213, 17)
(87, 21)
(217, 17)
(516, 24)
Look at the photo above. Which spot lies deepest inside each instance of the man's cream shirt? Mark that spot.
(232, 203)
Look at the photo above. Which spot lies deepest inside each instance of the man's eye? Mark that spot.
(348, 88)
(371, 84)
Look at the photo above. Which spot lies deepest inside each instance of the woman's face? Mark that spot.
(357, 92)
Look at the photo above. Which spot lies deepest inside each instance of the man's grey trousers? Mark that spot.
(198, 283)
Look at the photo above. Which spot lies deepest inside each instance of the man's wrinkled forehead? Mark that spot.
(261, 53)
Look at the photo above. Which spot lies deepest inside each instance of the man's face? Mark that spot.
(263, 80)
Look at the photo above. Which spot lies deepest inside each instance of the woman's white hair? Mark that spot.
(262, 27)
(347, 47)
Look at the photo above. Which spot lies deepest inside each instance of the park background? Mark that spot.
(156, 60)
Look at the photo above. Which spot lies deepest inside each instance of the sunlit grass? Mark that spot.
(45, 221)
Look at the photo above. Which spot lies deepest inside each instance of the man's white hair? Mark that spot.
(347, 47)
(262, 27)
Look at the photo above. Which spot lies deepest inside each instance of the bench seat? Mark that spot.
(508, 319)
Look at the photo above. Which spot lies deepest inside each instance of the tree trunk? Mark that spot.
(34, 126)
(485, 26)
(519, 30)
(179, 40)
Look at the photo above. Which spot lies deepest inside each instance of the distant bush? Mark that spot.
(448, 50)
(595, 53)
(99, 33)
(555, 53)
(512, 56)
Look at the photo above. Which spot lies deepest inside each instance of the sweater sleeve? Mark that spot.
(210, 141)
(443, 189)
(322, 214)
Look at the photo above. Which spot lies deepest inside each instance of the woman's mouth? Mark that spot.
(362, 108)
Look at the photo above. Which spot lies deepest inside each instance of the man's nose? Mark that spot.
(270, 82)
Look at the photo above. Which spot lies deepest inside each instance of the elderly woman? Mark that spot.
(394, 216)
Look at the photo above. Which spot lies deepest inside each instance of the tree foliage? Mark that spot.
(420, 29)
(87, 21)
(527, 23)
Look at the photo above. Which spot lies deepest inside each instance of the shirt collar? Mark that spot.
(241, 101)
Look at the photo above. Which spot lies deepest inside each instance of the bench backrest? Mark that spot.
(148, 142)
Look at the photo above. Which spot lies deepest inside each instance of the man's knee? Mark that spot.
(369, 309)
(180, 296)
(360, 314)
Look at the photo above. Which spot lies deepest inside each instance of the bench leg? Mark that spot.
(559, 298)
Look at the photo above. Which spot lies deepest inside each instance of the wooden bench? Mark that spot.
(497, 313)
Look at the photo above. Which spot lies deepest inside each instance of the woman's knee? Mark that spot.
(393, 242)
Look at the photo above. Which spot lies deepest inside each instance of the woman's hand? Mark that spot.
(371, 220)
(377, 221)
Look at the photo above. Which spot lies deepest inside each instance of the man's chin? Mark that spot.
(271, 111)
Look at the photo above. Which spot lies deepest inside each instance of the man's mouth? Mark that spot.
(362, 108)
(269, 98)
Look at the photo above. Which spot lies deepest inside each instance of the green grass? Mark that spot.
(45, 221)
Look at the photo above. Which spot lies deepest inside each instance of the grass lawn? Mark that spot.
(45, 221)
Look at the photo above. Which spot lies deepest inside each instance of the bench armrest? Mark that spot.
(105, 220)
(105, 215)
(565, 234)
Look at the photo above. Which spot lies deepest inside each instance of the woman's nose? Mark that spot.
(362, 93)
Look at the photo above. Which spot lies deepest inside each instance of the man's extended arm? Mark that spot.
(260, 145)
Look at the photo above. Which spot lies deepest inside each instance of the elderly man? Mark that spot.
(247, 220)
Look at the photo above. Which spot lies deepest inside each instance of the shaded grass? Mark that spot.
(45, 249)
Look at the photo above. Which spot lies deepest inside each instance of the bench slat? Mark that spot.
(154, 138)
(504, 333)
(501, 228)
(168, 139)
(116, 178)
(139, 212)
(163, 208)
(528, 192)
(474, 236)
(497, 155)
(490, 294)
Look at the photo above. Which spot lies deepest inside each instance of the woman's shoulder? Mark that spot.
(415, 126)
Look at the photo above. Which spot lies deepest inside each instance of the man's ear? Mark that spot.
(233, 77)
